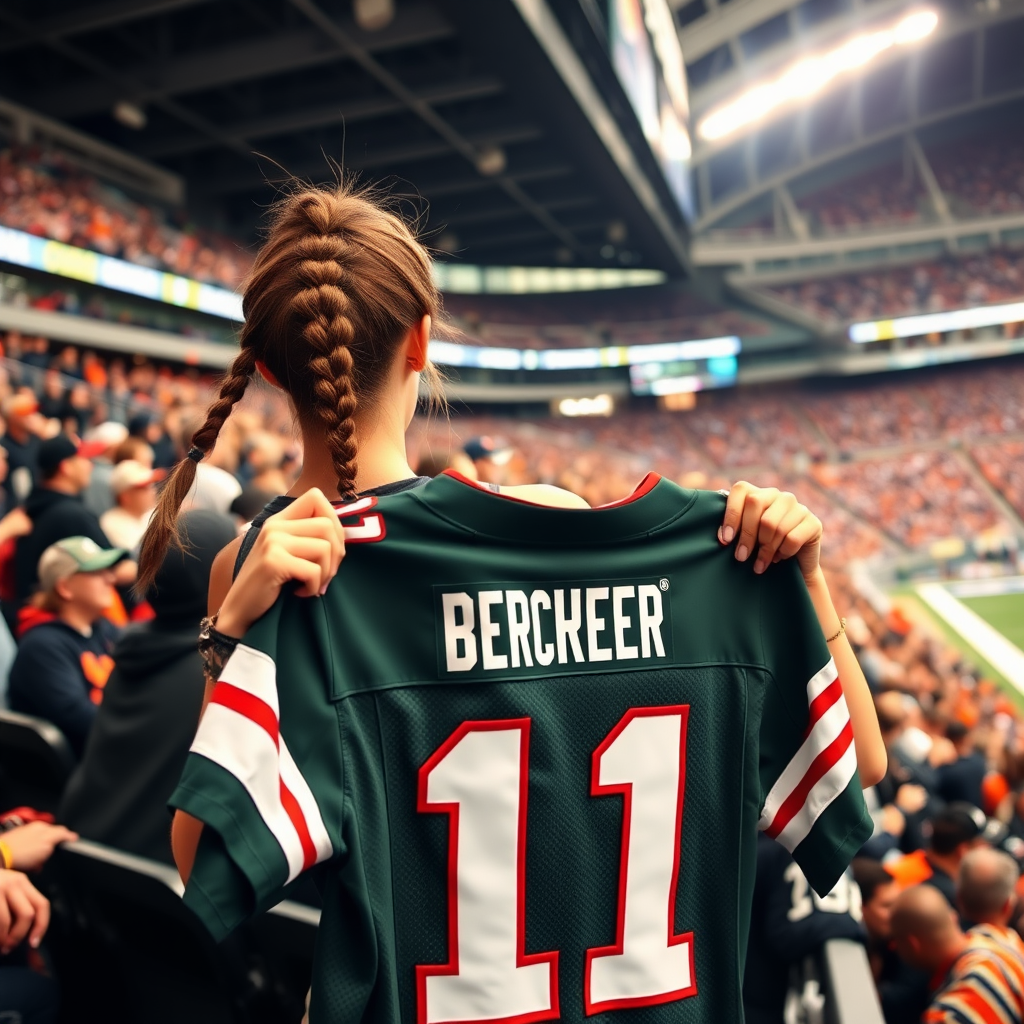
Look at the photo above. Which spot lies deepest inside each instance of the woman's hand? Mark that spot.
(305, 542)
(24, 910)
(775, 524)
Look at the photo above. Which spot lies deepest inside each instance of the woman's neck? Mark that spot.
(381, 460)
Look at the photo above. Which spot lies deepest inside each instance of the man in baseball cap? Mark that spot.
(489, 458)
(63, 658)
(134, 487)
(56, 510)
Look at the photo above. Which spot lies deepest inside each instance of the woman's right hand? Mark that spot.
(305, 542)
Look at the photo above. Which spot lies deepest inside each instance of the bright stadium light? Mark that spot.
(808, 77)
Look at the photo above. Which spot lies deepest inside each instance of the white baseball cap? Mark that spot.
(129, 474)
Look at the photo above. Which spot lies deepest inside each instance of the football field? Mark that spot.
(987, 617)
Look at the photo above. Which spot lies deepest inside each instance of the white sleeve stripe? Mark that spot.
(825, 791)
(293, 779)
(255, 673)
(822, 735)
(246, 751)
(821, 680)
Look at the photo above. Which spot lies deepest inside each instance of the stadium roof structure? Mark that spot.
(965, 76)
(505, 116)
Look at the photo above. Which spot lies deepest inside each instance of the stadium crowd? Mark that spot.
(955, 282)
(44, 193)
(86, 439)
(879, 197)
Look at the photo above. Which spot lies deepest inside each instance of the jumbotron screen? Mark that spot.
(649, 63)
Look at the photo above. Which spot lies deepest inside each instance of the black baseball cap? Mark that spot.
(54, 450)
(485, 448)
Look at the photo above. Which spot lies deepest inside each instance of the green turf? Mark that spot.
(906, 593)
(1004, 611)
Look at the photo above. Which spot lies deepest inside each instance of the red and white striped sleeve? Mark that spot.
(240, 731)
(811, 797)
(821, 768)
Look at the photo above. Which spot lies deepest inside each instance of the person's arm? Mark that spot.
(306, 543)
(769, 526)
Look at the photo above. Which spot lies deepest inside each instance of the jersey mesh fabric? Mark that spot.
(313, 744)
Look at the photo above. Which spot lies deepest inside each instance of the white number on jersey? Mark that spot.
(845, 897)
(479, 776)
(643, 759)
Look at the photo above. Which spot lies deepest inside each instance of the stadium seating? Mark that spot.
(128, 950)
(35, 761)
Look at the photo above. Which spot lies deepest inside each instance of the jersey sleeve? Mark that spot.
(265, 772)
(811, 794)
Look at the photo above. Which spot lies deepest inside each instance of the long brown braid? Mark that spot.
(334, 290)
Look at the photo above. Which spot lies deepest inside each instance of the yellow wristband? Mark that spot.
(6, 855)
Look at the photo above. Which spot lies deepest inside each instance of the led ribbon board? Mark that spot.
(937, 323)
(450, 354)
(25, 250)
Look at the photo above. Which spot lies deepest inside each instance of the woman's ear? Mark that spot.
(417, 345)
(261, 369)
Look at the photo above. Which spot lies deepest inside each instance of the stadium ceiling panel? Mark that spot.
(967, 78)
(455, 103)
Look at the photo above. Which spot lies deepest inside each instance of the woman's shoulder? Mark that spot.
(545, 494)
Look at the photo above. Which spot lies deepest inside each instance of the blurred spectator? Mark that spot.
(902, 989)
(248, 505)
(961, 778)
(147, 427)
(56, 510)
(137, 747)
(98, 497)
(788, 922)
(134, 489)
(986, 891)
(136, 449)
(215, 487)
(978, 977)
(954, 830)
(63, 658)
(21, 442)
(489, 459)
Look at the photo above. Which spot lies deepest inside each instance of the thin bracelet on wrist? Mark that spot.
(838, 633)
(6, 856)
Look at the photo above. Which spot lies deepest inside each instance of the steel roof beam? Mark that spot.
(726, 22)
(306, 118)
(426, 113)
(267, 55)
(92, 19)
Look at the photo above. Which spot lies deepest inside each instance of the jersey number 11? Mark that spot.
(479, 778)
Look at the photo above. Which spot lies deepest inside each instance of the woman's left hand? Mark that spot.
(772, 523)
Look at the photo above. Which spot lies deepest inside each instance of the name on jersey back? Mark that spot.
(511, 628)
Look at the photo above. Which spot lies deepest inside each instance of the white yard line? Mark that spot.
(1003, 655)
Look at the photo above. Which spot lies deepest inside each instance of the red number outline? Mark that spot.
(626, 791)
(423, 971)
(373, 527)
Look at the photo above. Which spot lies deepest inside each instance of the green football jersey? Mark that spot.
(531, 749)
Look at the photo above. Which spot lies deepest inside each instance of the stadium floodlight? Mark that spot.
(806, 78)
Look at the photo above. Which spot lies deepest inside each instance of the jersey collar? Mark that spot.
(479, 509)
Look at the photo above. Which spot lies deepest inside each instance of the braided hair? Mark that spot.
(334, 290)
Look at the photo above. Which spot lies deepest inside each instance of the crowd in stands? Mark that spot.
(983, 176)
(85, 442)
(880, 197)
(956, 282)
(44, 193)
(630, 316)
